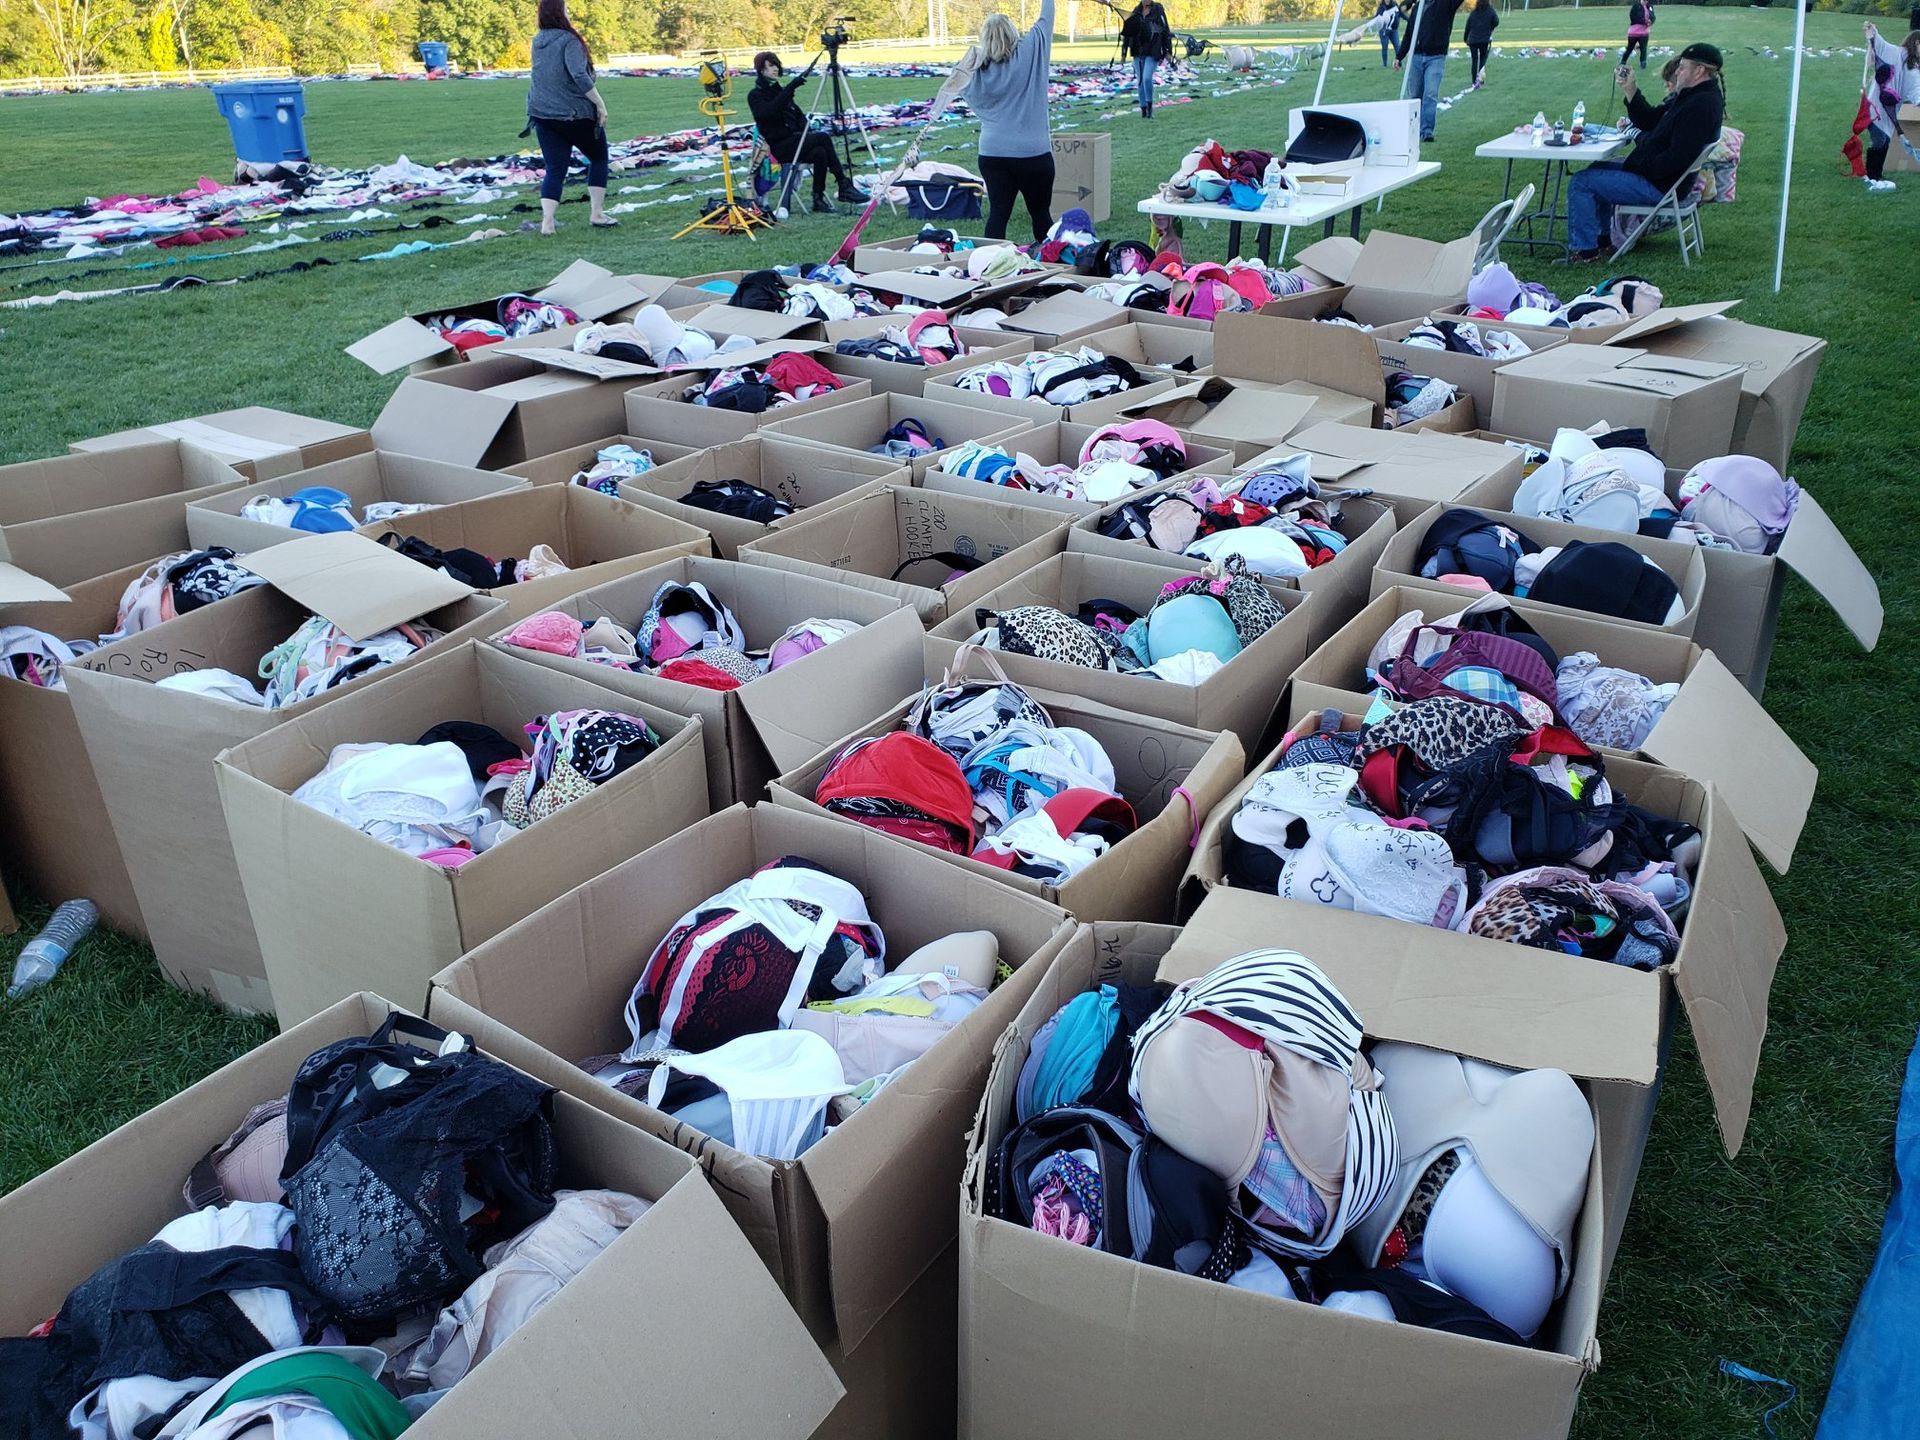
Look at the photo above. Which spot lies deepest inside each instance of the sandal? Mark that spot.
(604, 223)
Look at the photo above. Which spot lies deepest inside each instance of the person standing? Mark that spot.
(1429, 37)
(1482, 21)
(1673, 136)
(1896, 82)
(782, 124)
(1388, 14)
(1008, 91)
(1639, 27)
(566, 113)
(1148, 38)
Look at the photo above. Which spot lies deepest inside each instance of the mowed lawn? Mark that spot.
(1758, 1258)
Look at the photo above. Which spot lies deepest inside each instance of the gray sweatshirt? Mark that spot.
(562, 76)
(1011, 99)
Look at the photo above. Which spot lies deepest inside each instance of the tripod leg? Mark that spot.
(866, 137)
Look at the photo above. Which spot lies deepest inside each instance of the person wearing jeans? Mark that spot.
(1388, 14)
(1591, 196)
(1148, 38)
(1429, 38)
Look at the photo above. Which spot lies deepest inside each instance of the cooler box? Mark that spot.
(267, 118)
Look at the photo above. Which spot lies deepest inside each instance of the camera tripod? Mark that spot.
(845, 112)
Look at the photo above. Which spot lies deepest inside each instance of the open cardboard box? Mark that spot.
(1096, 411)
(860, 425)
(723, 321)
(1197, 1352)
(1061, 321)
(1171, 775)
(1687, 407)
(1712, 730)
(409, 918)
(72, 517)
(257, 440)
(849, 1226)
(370, 478)
(1412, 465)
(498, 411)
(116, 1194)
(1391, 277)
(808, 477)
(1729, 948)
(1899, 159)
(152, 747)
(1472, 374)
(891, 377)
(891, 542)
(786, 716)
(1399, 564)
(941, 292)
(1239, 697)
(1174, 343)
(659, 407)
(591, 292)
(1059, 442)
(561, 466)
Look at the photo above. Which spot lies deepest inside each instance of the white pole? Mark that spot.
(1326, 60)
(1793, 120)
(1407, 80)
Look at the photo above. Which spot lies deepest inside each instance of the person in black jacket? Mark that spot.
(1672, 138)
(1429, 37)
(783, 126)
(1148, 38)
(1482, 21)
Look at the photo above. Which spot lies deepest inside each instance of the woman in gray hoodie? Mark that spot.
(1009, 94)
(566, 112)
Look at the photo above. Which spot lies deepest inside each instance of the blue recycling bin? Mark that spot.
(433, 53)
(267, 118)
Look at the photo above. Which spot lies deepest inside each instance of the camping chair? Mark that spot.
(1496, 225)
(1684, 215)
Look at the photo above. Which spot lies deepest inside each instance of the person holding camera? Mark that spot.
(1148, 38)
(1008, 91)
(1672, 138)
(783, 126)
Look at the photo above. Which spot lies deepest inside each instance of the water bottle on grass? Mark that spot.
(40, 960)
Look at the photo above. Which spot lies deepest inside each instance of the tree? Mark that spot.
(78, 32)
(478, 32)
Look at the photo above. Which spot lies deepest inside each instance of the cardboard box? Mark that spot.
(409, 918)
(1459, 418)
(1473, 374)
(1687, 407)
(782, 718)
(498, 412)
(1324, 298)
(1393, 277)
(58, 838)
(1239, 697)
(1170, 343)
(1097, 411)
(892, 286)
(890, 377)
(1899, 159)
(560, 467)
(72, 517)
(1171, 775)
(1401, 464)
(370, 478)
(1059, 442)
(849, 1226)
(1083, 174)
(1195, 1348)
(152, 747)
(1069, 316)
(808, 477)
(723, 321)
(890, 542)
(589, 291)
(1776, 370)
(254, 439)
(1713, 730)
(858, 426)
(657, 408)
(1399, 564)
(116, 1194)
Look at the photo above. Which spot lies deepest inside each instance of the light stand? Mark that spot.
(729, 217)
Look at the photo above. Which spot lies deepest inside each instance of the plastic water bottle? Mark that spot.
(1579, 132)
(1274, 187)
(1539, 129)
(40, 960)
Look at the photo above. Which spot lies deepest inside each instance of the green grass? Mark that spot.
(1759, 1258)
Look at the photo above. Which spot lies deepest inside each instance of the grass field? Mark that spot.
(1758, 1259)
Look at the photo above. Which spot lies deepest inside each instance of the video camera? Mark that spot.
(836, 34)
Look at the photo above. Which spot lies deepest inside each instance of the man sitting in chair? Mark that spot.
(783, 126)
(1672, 138)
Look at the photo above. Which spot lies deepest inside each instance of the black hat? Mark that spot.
(1704, 54)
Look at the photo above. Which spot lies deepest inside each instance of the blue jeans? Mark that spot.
(1591, 196)
(1427, 71)
(1143, 68)
(558, 140)
(1386, 48)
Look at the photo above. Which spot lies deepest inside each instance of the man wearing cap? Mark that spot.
(783, 125)
(1672, 139)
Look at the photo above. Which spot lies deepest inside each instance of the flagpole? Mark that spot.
(1793, 121)
(1326, 60)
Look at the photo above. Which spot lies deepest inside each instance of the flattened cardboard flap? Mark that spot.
(1410, 265)
(755, 324)
(795, 728)
(599, 367)
(754, 355)
(17, 587)
(1820, 555)
(591, 290)
(1334, 258)
(444, 422)
(394, 347)
(1717, 732)
(357, 583)
(1670, 317)
(928, 289)
(1063, 314)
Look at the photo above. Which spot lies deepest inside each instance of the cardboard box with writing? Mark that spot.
(1472, 374)
(561, 466)
(1687, 407)
(257, 440)
(661, 407)
(1239, 697)
(152, 746)
(408, 917)
(859, 426)
(1083, 174)
(371, 478)
(1712, 729)
(1730, 945)
(849, 1226)
(589, 290)
(1061, 442)
(1392, 277)
(1201, 1351)
(116, 1194)
(781, 718)
(498, 412)
(1417, 466)
(1399, 564)
(808, 477)
(892, 377)
(72, 517)
(1171, 775)
(902, 542)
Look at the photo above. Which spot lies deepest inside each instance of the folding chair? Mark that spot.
(1684, 215)
(1496, 225)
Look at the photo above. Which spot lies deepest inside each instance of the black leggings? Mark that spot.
(1479, 57)
(1633, 41)
(1028, 178)
(558, 140)
(1878, 143)
(816, 150)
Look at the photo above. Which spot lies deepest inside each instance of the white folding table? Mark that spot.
(1368, 183)
(1518, 146)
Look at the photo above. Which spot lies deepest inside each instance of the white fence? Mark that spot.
(130, 79)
